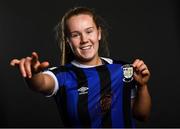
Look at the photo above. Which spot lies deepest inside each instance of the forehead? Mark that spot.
(81, 21)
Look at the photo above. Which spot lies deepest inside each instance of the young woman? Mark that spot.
(90, 90)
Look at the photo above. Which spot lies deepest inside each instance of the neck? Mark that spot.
(92, 62)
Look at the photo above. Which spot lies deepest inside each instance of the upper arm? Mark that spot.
(51, 83)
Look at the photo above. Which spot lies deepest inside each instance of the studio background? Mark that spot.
(148, 30)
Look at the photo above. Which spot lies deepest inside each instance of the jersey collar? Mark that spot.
(77, 64)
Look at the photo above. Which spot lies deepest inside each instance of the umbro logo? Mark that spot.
(83, 90)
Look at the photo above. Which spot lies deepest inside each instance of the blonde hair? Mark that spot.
(66, 54)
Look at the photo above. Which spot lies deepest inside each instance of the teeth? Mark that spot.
(86, 47)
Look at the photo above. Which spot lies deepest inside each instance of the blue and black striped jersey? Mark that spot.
(94, 97)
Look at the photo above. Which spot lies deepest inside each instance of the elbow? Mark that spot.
(142, 112)
(143, 117)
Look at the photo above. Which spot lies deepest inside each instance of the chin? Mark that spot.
(86, 58)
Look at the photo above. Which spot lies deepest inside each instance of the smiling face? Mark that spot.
(84, 38)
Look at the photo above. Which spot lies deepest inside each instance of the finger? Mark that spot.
(43, 65)
(35, 57)
(146, 72)
(135, 62)
(142, 67)
(139, 64)
(21, 67)
(14, 62)
(27, 67)
(35, 62)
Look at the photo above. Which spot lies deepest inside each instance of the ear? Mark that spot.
(99, 33)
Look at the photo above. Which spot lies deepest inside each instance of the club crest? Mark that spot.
(127, 72)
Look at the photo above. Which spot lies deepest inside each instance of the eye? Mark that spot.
(89, 31)
(74, 35)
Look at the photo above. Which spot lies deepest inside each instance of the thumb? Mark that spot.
(37, 65)
(136, 77)
(43, 66)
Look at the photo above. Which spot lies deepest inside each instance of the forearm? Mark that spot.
(142, 103)
(40, 83)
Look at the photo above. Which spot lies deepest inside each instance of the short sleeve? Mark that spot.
(56, 86)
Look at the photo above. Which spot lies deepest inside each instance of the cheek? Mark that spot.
(96, 41)
(74, 44)
(94, 38)
(97, 46)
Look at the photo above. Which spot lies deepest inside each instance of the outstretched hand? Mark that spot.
(29, 66)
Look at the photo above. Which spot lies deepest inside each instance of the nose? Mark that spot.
(84, 38)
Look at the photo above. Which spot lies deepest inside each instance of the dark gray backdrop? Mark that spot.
(148, 30)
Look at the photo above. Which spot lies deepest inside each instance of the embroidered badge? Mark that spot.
(128, 72)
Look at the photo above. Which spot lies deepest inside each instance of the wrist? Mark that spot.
(142, 86)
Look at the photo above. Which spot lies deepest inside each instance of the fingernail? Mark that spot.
(24, 75)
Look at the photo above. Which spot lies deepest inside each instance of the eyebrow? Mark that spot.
(78, 31)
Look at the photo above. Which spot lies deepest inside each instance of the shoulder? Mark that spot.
(114, 61)
(59, 69)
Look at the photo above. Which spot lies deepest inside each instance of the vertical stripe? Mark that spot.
(93, 97)
(61, 100)
(67, 96)
(61, 96)
(105, 83)
(117, 91)
(83, 111)
(127, 104)
(72, 98)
